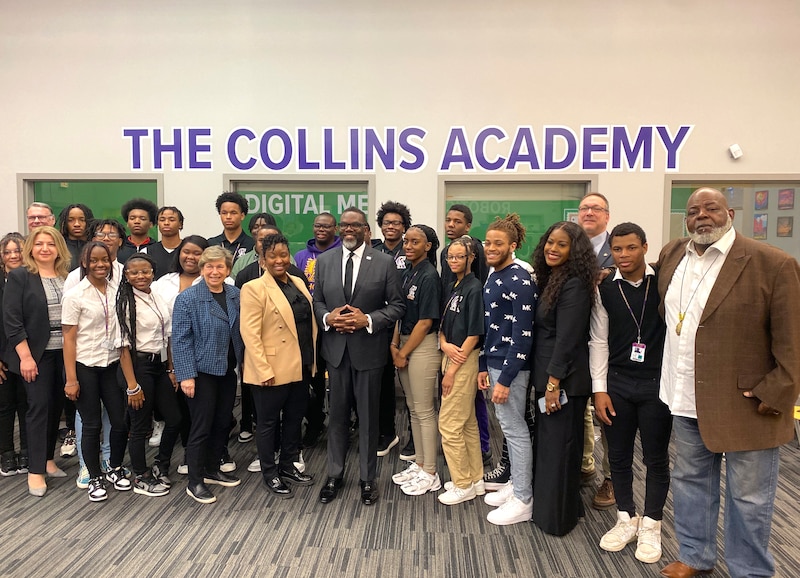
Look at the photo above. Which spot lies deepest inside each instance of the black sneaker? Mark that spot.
(408, 453)
(22, 463)
(147, 485)
(386, 443)
(222, 479)
(498, 477)
(201, 493)
(117, 477)
(160, 474)
(97, 490)
(8, 464)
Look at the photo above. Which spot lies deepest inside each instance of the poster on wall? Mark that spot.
(571, 216)
(761, 200)
(785, 226)
(786, 200)
(760, 226)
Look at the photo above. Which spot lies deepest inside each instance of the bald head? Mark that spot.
(708, 217)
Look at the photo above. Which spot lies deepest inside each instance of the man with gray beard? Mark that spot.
(730, 376)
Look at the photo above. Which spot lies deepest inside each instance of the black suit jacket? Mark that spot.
(561, 341)
(24, 316)
(376, 292)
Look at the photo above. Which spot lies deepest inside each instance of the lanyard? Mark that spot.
(644, 304)
(104, 303)
(154, 308)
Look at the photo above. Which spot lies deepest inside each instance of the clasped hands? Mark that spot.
(347, 319)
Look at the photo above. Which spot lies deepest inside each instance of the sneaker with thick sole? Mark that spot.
(386, 443)
(407, 474)
(245, 436)
(69, 448)
(498, 477)
(8, 464)
(221, 479)
(22, 463)
(648, 546)
(160, 473)
(201, 493)
(499, 497)
(255, 466)
(117, 477)
(623, 533)
(183, 469)
(604, 498)
(422, 484)
(147, 485)
(480, 488)
(97, 490)
(83, 478)
(158, 431)
(513, 511)
(227, 465)
(455, 495)
(409, 453)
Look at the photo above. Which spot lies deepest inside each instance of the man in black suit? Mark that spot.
(357, 301)
(593, 218)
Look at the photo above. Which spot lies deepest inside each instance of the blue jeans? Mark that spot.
(751, 481)
(105, 441)
(511, 416)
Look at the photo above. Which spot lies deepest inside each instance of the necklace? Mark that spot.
(681, 310)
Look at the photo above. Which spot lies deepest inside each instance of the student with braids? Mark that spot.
(416, 356)
(566, 270)
(146, 325)
(509, 299)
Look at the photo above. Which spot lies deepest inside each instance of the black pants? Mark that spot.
(99, 384)
(159, 394)
(210, 409)
(280, 411)
(13, 404)
(249, 410)
(186, 417)
(637, 406)
(387, 402)
(557, 456)
(315, 412)
(69, 414)
(45, 400)
(351, 387)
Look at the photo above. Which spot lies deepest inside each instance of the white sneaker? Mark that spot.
(422, 484)
(479, 487)
(455, 495)
(83, 478)
(255, 466)
(70, 447)
(227, 466)
(513, 511)
(300, 464)
(183, 469)
(407, 474)
(501, 496)
(622, 534)
(648, 547)
(158, 429)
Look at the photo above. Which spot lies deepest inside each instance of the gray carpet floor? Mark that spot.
(248, 532)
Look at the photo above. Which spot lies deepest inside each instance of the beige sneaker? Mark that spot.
(648, 547)
(604, 498)
(622, 534)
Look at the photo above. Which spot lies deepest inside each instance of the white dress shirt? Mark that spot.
(688, 292)
(94, 313)
(358, 255)
(153, 323)
(74, 276)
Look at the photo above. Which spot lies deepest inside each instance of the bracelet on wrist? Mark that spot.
(134, 391)
(170, 371)
(552, 386)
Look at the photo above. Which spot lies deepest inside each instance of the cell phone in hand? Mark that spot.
(562, 399)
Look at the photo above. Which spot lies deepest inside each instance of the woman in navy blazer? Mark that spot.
(566, 269)
(32, 321)
(206, 348)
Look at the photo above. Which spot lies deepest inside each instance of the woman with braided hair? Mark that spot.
(146, 325)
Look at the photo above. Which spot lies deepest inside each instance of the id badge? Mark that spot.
(164, 356)
(637, 352)
(108, 344)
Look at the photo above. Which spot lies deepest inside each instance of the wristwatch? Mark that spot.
(551, 386)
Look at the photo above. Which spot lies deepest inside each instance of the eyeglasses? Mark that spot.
(455, 258)
(592, 208)
(12, 252)
(101, 235)
(34, 218)
(351, 226)
(392, 224)
(322, 227)
(145, 272)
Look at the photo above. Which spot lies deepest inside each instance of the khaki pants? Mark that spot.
(459, 427)
(587, 464)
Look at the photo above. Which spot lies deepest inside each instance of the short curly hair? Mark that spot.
(228, 197)
(394, 207)
(142, 204)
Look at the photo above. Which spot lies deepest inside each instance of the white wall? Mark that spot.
(74, 74)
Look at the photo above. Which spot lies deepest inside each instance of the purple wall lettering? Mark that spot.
(160, 147)
(136, 135)
(642, 147)
(523, 150)
(195, 148)
(303, 163)
(456, 151)
(287, 149)
(480, 148)
(590, 146)
(673, 145)
(232, 157)
(372, 145)
(330, 164)
(567, 135)
(415, 150)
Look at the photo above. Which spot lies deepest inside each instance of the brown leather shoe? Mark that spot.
(681, 570)
(604, 498)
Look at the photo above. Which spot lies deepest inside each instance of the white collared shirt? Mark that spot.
(598, 335)
(687, 293)
(358, 255)
(598, 241)
(74, 276)
(95, 317)
(153, 322)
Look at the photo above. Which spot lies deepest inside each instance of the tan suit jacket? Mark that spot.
(269, 332)
(748, 339)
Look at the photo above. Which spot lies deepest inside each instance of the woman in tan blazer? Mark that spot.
(279, 333)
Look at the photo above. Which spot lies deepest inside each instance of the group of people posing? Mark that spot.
(127, 328)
